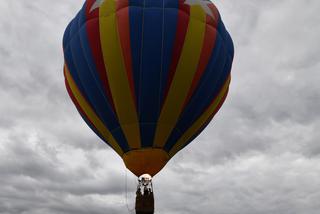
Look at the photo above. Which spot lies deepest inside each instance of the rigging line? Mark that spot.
(141, 58)
(130, 211)
(162, 52)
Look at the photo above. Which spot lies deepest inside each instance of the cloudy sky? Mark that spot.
(261, 154)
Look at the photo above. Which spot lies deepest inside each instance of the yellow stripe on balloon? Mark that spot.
(182, 80)
(200, 122)
(85, 106)
(117, 75)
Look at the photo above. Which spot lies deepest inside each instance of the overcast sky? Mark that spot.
(260, 155)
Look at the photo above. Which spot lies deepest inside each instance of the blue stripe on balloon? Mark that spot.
(74, 26)
(153, 3)
(66, 36)
(68, 56)
(170, 26)
(135, 19)
(208, 88)
(210, 85)
(226, 38)
(230, 45)
(151, 61)
(94, 95)
(136, 3)
(90, 87)
(173, 4)
(107, 114)
(82, 15)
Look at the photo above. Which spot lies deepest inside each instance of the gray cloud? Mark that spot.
(259, 155)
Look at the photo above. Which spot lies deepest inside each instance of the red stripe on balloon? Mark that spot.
(91, 14)
(207, 48)
(182, 27)
(122, 4)
(93, 31)
(213, 21)
(123, 23)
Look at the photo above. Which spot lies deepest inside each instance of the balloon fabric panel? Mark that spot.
(150, 72)
(182, 78)
(208, 87)
(117, 75)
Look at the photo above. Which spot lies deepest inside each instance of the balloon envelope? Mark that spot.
(147, 76)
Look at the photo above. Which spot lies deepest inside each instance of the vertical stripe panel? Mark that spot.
(117, 74)
(209, 86)
(124, 35)
(207, 49)
(87, 79)
(104, 107)
(135, 22)
(151, 64)
(69, 58)
(93, 32)
(181, 31)
(66, 36)
(226, 38)
(74, 26)
(170, 31)
(182, 80)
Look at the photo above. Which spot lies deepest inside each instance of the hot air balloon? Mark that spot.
(147, 76)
